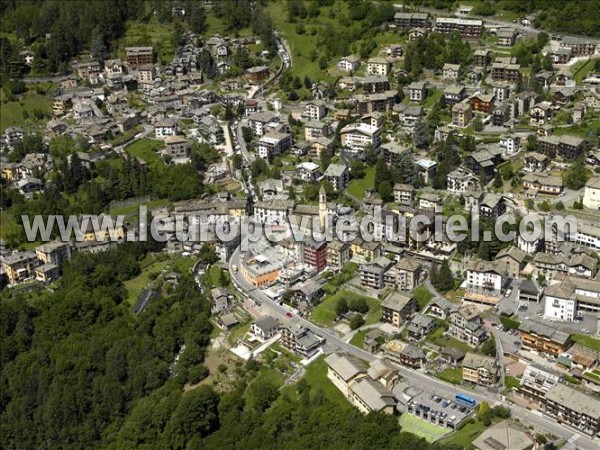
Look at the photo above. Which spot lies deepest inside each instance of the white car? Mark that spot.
(508, 292)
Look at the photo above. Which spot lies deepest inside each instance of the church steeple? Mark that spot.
(322, 207)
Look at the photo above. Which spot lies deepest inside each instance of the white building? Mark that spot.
(260, 122)
(591, 195)
(378, 66)
(165, 127)
(276, 210)
(571, 296)
(357, 137)
(485, 276)
(349, 63)
(510, 144)
(315, 110)
(273, 143)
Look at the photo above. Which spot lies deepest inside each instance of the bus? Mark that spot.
(465, 400)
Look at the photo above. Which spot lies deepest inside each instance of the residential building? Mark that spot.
(406, 355)
(512, 259)
(20, 266)
(375, 83)
(441, 308)
(480, 369)
(417, 91)
(357, 137)
(258, 74)
(467, 28)
(487, 276)
(565, 146)
(313, 130)
(338, 254)
(591, 194)
(543, 338)
(462, 180)
(408, 273)
(420, 326)
(338, 175)
(165, 127)
(540, 113)
(462, 114)
(315, 110)
(506, 72)
(570, 297)
(308, 292)
(573, 407)
(378, 66)
(451, 71)
(139, 56)
(397, 308)
(261, 122)
(492, 205)
(314, 253)
(222, 299)
(543, 183)
(481, 57)
(536, 381)
(506, 37)
(504, 435)
(482, 102)
(308, 171)
(466, 325)
(177, 147)
(510, 144)
(54, 252)
(299, 339)
(455, 93)
(411, 20)
(404, 194)
(484, 161)
(349, 63)
(373, 274)
(535, 162)
(265, 328)
(273, 143)
(579, 46)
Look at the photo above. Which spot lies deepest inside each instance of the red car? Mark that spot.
(289, 314)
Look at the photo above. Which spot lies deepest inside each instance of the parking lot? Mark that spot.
(430, 406)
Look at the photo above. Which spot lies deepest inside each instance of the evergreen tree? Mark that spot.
(498, 183)
(419, 136)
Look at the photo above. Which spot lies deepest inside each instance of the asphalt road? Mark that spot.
(419, 379)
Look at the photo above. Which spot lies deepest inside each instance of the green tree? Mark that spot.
(489, 347)
(498, 183)
(357, 322)
(341, 307)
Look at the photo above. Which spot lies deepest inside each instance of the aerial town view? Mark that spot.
(300, 224)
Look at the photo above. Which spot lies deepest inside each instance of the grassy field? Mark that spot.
(136, 285)
(153, 33)
(581, 70)
(13, 113)
(451, 375)
(420, 427)
(587, 341)
(359, 338)
(512, 382)
(423, 296)
(132, 210)
(324, 313)
(357, 188)
(146, 149)
(466, 435)
(437, 337)
(154, 265)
